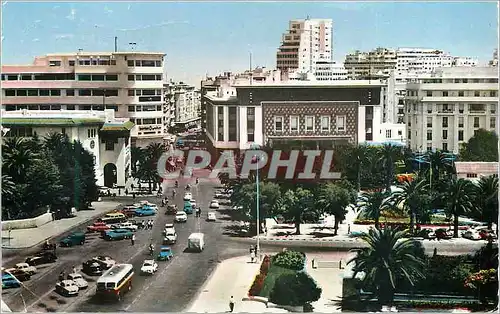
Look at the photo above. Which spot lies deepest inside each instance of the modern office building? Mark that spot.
(100, 132)
(446, 108)
(374, 64)
(130, 83)
(305, 43)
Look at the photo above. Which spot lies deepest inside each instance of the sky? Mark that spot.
(201, 38)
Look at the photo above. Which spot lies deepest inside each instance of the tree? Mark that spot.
(137, 155)
(333, 198)
(295, 204)
(388, 155)
(17, 156)
(487, 199)
(296, 289)
(388, 261)
(458, 199)
(372, 204)
(483, 146)
(410, 195)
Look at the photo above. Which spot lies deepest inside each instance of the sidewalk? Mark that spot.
(26, 238)
(232, 277)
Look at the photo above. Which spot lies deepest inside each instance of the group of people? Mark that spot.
(146, 224)
(62, 275)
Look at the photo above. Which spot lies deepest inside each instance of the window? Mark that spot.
(461, 93)
(294, 123)
(388, 133)
(493, 121)
(148, 121)
(493, 108)
(97, 77)
(111, 92)
(110, 145)
(472, 175)
(445, 122)
(493, 93)
(476, 122)
(445, 147)
(33, 92)
(55, 63)
(22, 92)
(10, 92)
(429, 135)
(445, 134)
(70, 107)
(460, 122)
(159, 77)
(158, 63)
(429, 93)
(84, 92)
(220, 124)
(148, 77)
(460, 135)
(429, 147)
(91, 133)
(278, 124)
(250, 124)
(131, 92)
(232, 124)
(460, 108)
(148, 63)
(84, 77)
(476, 94)
(70, 92)
(148, 92)
(341, 123)
(44, 92)
(325, 124)
(130, 63)
(112, 77)
(445, 94)
(309, 123)
(131, 77)
(71, 63)
(429, 122)
(26, 77)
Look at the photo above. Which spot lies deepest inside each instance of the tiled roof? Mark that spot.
(476, 167)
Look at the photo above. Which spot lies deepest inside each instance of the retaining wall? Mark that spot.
(27, 223)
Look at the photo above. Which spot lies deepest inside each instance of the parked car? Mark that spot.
(214, 204)
(181, 217)
(211, 216)
(92, 268)
(78, 280)
(165, 253)
(145, 211)
(72, 239)
(443, 234)
(21, 275)
(8, 281)
(118, 234)
(225, 202)
(472, 235)
(27, 268)
(49, 246)
(171, 209)
(44, 257)
(486, 233)
(126, 225)
(67, 288)
(98, 227)
(129, 210)
(149, 267)
(105, 262)
(188, 196)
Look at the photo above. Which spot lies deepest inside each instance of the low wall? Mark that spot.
(27, 223)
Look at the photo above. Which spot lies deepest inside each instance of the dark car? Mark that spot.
(92, 268)
(20, 274)
(44, 257)
(171, 209)
(73, 239)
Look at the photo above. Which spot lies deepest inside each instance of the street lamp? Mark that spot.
(257, 205)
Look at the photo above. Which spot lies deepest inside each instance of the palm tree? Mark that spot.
(458, 200)
(487, 199)
(16, 157)
(359, 156)
(137, 155)
(388, 155)
(410, 195)
(388, 260)
(372, 204)
(155, 150)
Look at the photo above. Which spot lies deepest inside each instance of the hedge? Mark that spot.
(290, 259)
(258, 282)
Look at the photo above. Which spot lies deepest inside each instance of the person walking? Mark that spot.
(252, 256)
(231, 304)
(132, 240)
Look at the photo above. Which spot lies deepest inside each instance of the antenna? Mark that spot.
(116, 43)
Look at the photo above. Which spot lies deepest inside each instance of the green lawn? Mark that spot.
(272, 275)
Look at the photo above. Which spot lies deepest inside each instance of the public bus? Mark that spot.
(115, 281)
(113, 218)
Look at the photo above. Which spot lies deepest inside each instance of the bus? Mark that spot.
(113, 218)
(115, 281)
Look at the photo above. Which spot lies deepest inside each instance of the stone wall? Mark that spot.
(27, 223)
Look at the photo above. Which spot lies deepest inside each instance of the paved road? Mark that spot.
(171, 289)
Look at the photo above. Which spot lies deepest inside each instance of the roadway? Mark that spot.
(171, 289)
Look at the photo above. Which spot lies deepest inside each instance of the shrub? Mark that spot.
(257, 285)
(295, 289)
(290, 259)
(266, 263)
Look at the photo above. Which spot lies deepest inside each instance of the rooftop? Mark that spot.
(315, 84)
(476, 167)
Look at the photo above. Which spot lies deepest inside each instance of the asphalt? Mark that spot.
(172, 288)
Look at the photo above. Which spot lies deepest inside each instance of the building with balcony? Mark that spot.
(494, 61)
(314, 114)
(374, 64)
(130, 83)
(444, 109)
(100, 132)
(186, 104)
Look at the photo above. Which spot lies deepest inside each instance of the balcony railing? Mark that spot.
(477, 110)
(445, 111)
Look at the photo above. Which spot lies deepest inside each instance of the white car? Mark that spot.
(214, 204)
(193, 203)
(169, 225)
(24, 267)
(211, 216)
(67, 288)
(170, 236)
(149, 267)
(181, 217)
(188, 196)
(471, 235)
(78, 280)
(127, 225)
(105, 262)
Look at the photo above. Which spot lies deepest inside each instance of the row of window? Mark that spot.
(476, 122)
(144, 63)
(461, 93)
(98, 77)
(39, 77)
(59, 107)
(147, 121)
(464, 80)
(325, 123)
(57, 92)
(87, 62)
(145, 77)
(144, 92)
(143, 108)
(450, 108)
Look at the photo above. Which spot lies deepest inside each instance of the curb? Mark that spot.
(256, 299)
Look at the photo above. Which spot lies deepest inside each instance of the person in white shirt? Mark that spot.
(231, 304)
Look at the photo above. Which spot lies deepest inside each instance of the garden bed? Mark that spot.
(270, 280)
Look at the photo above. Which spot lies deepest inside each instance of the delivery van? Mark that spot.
(196, 242)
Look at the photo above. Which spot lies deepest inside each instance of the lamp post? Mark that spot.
(257, 203)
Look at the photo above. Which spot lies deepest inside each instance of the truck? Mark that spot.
(196, 242)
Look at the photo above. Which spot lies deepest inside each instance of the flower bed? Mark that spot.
(258, 282)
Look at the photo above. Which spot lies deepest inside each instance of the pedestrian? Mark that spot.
(231, 304)
(132, 186)
(61, 276)
(252, 256)
(133, 239)
(348, 228)
(133, 195)
(126, 191)
(143, 224)
(151, 224)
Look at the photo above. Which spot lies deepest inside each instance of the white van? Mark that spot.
(196, 242)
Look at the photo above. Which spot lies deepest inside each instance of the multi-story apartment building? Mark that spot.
(494, 60)
(130, 83)
(186, 105)
(446, 108)
(106, 137)
(407, 56)
(370, 65)
(305, 43)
